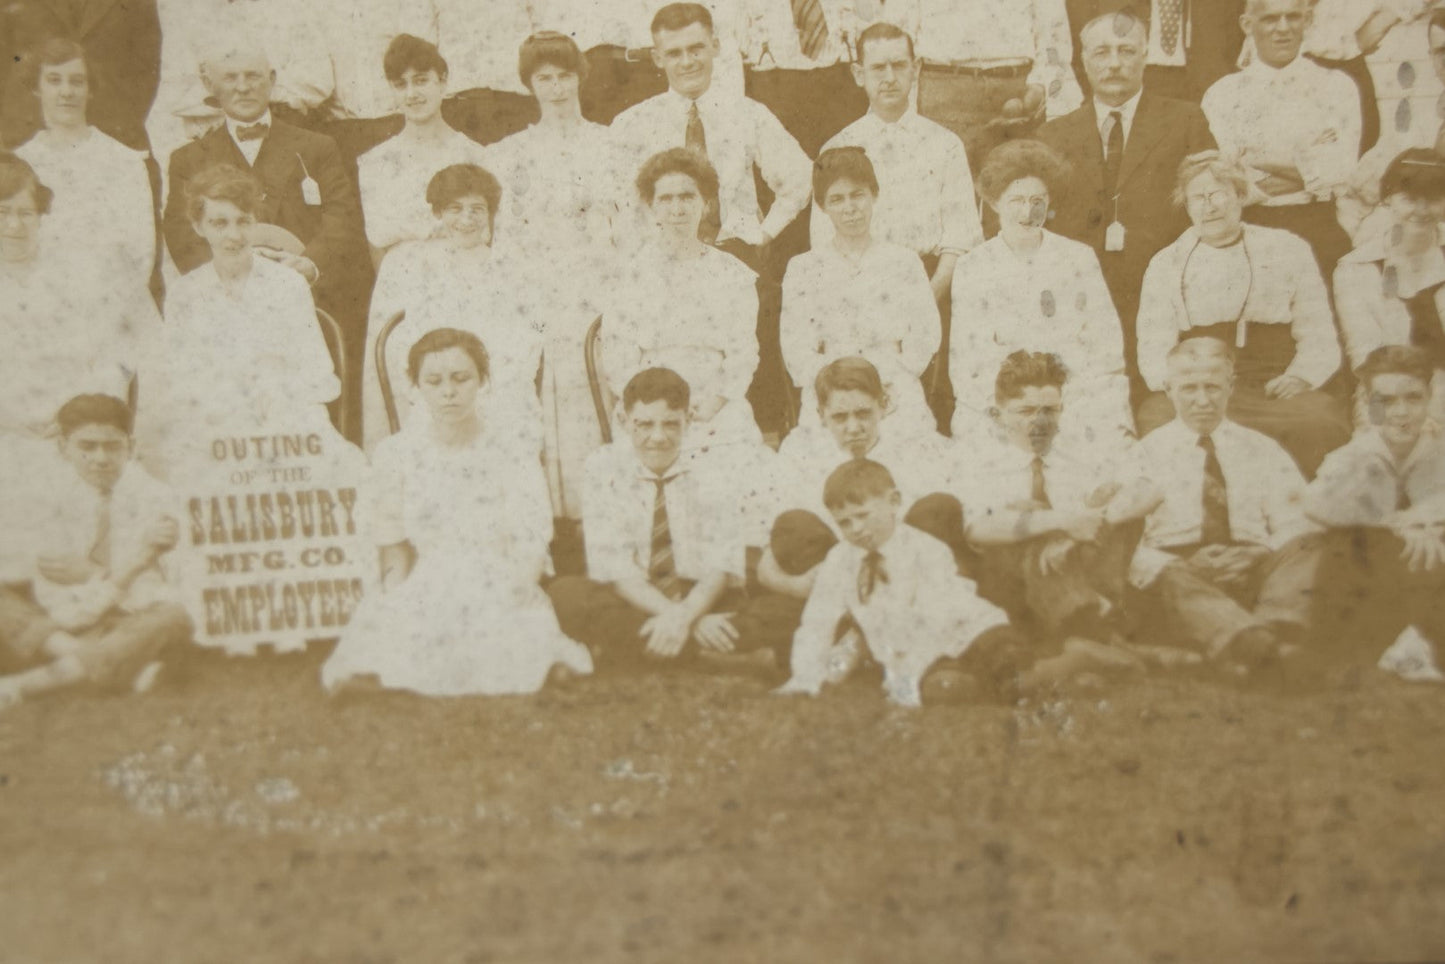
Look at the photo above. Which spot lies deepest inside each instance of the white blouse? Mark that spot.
(393, 178)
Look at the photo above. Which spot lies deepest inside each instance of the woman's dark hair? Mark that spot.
(411, 53)
(85, 410)
(1418, 172)
(464, 180)
(223, 182)
(1013, 160)
(441, 339)
(837, 163)
(677, 160)
(56, 50)
(17, 176)
(548, 48)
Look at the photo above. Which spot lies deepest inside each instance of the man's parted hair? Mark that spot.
(837, 163)
(1202, 348)
(223, 182)
(548, 48)
(1028, 369)
(855, 482)
(407, 52)
(849, 374)
(677, 160)
(880, 32)
(457, 181)
(83, 410)
(16, 176)
(1396, 360)
(680, 16)
(442, 339)
(657, 384)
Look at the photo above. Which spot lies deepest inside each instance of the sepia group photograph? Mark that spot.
(868, 481)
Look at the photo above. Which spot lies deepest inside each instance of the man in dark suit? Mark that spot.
(1125, 145)
(122, 41)
(1192, 43)
(307, 192)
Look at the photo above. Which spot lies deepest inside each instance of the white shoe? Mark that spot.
(1411, 657)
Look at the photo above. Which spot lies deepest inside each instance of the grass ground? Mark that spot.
(236, 815)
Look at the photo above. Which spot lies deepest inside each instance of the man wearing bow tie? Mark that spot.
(307, 191)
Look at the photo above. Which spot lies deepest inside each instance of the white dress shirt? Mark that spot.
(358, 35)
(697, 316)
(393, 178)
(63, 520)
(989, 33)
(103, 205)
(1053, 300)
(1359, 484)
(1370, 317)
(880, 307)
(925, 189)
(250, 147)
(552, 198)
(703, 515)
(439, 287)
(1262, 108)
(1279, 284)
(71, 326)
(924, 611)
(998, 475)
(740, 133)
(1263, 486)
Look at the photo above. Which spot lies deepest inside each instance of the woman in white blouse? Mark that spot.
(1390, 290)
(457, 280)
(241, 347)
(71, 324)
(1257, 289)
(1032, 290)
(684, 305)
(103, 205)
(856, 295)
(557, 210)
(393, 175)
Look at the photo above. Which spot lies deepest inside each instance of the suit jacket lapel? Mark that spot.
(1143, 136)
(223, 150)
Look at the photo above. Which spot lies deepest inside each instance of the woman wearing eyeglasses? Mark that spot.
(1257, 289)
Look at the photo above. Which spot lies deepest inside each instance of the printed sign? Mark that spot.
(271, 551)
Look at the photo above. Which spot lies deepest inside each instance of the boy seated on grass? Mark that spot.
(897, 592)
(95, 608)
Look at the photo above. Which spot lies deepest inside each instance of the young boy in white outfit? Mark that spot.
(921, 621)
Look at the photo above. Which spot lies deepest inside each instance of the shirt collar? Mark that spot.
(1127, 110)
(704, 101)
(1277, 74)
(1426, 448)
(232, 124)
(903, 123)
(678, 467)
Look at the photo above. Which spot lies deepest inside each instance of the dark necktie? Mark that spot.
(1171, 17)
(812, 27)
(1402, 493)
(251, 132)
(1113, 151)
(870, 574)
(100, 549)
(1215, 529)
(1039, 492)
(661, 568)
(695, 139)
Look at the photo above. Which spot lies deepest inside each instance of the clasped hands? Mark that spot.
(668, 632)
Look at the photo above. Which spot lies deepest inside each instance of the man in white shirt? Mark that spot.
(1296, 124)
(992, 69)
(664, 540)
(95, 607)
(1382, 498)
(797, 55)
(735, 133)
(1052, 548)
(1225, 564)
(925, 188)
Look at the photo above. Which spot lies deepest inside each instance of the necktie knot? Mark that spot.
(251, 132)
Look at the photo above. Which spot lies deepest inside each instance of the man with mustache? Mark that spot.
(1225, 564)
(1124, 145)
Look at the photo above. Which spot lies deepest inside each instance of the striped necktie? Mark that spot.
(812, 27)
(661, 567)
